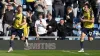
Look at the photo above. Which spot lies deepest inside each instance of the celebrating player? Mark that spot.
(88, 24)
(18, 27)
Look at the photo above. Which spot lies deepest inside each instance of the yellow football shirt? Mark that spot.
(87, 16)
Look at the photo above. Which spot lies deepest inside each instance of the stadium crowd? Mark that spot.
(49, 17)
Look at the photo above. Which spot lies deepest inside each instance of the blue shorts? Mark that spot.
(88, 31)
(17, 32)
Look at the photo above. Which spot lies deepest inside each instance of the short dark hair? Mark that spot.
(29, 12)
(40, 14)
(19, 6)
(88, 5)
(49, 14)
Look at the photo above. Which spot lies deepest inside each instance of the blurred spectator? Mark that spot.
(58, 8)
(69, 19)
(51, 27)
(30, 5)
(75, 7)
(8, 19)
(49, 6)
(69, 16)
(93, 6)
(18, 2)
(40, 6)
(40, 26)
(68, 3)
(12, 2)
(78, 27)
(61, 27)
(81, 3)
(9, 1)
(1, 9)
(98, 4)
(31, 18)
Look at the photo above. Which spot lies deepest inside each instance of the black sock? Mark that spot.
(82, 44)
(11, 43)
(25, 39)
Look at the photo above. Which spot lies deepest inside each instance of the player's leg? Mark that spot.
(11, 43)
(23, 37)
(90, 35)
(82, 41)
(13, 34)
(20, 33)
(90, 38)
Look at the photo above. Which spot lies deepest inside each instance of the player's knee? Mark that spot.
(12, 39)
(82, 40)
(90, 38)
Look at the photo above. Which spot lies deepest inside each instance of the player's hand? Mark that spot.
(82, 20)
(20, 24)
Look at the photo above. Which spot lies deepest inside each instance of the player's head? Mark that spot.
(86, 7)
(19, 8)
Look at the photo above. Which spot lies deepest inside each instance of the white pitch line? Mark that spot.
(69, 52)
(87, 54)
(75, 52)
(65, 51)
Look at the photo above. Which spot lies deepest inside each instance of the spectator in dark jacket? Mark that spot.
(51, 27)
(64, 30)
(8, 19)
(31, 22)
(61, 27)
(69, 20)
(69, 16)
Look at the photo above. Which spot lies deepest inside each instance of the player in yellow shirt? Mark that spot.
(18, 27)
(88, 25)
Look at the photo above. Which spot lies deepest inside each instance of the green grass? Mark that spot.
(50, 53)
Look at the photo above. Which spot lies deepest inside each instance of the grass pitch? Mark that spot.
(50, 53)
